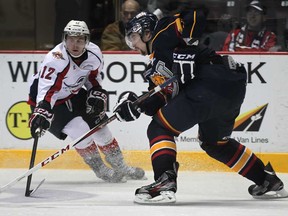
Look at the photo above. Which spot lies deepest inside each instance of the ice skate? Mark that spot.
(130, 172)
(272, 187)
(114, 157)
(92, 158)
(120, 166)
(161, 191)
(106, 173)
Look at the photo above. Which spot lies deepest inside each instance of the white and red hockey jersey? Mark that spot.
(60, 77)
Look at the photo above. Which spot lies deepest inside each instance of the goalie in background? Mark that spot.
(67, 99)
(209, 92)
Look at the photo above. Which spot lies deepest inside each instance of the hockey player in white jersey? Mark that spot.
(67, 99)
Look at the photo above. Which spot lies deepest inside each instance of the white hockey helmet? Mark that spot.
(76, 28)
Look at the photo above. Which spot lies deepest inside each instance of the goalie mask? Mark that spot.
(76, 28)
(141, 23)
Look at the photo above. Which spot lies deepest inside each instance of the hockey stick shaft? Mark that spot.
(32, 161)
(84, 136)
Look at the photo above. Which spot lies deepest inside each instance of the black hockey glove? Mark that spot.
(124, 109)
(41, 119)
(96, 103)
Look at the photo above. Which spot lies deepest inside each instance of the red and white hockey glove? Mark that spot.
(41, 119)
(96, 103)
(125, 110)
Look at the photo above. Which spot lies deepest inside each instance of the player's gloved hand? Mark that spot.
(96, 103)
(125, 110)
(41, 119)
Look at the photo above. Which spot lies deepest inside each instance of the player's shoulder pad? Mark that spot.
(95, 55)
(94, 49)
(164, 22)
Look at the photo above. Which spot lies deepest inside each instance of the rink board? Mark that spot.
(262, 123)
(189, 161)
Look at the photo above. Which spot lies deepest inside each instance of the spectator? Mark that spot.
(252, 36)
(113, 37)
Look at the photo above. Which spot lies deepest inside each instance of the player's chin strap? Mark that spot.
(147, 47)
(84, 136)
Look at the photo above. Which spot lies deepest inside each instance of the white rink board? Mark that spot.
(269, 76)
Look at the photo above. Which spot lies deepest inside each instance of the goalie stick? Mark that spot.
(84, 136)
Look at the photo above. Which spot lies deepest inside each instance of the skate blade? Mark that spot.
(164, 197)
(273, 195)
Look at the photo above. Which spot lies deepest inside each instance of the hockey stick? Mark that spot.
(84, 136)
(28, 192)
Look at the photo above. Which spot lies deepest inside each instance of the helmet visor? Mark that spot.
(132, 40)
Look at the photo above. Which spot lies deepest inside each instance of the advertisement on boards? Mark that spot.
(261, 124)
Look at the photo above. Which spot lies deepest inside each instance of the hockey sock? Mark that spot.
(110, 148)
(239, 158)
(113, 154)
(162, 149)
(88, 152)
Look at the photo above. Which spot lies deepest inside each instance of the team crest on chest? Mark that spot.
(76, 86)
(157, 79)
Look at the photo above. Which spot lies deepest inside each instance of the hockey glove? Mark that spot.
(41, 119)
(124, 109)
(96, 103)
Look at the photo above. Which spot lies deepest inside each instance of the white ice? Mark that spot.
(80, 193)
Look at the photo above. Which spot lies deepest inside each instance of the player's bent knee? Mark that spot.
(221, 151)
(155, 129)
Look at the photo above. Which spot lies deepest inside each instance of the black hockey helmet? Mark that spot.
(142, 22)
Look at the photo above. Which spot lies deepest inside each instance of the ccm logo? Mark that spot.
(55, 155)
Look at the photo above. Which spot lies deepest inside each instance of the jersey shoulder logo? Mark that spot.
(58, 55)
(157, 79)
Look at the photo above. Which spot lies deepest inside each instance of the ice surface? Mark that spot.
(80, 193)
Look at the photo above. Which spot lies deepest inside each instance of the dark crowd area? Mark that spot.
(38, 25)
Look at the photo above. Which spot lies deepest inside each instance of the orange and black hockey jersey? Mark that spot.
(171, 55)
(176, 51)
